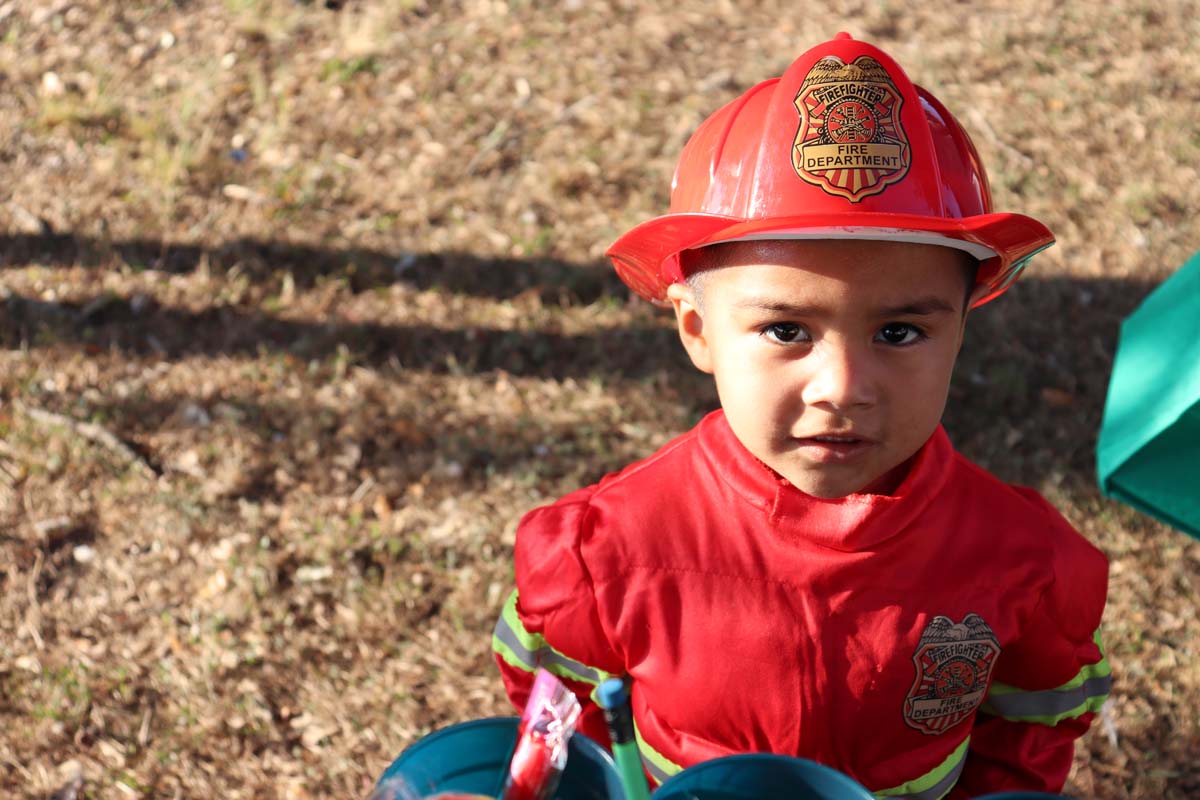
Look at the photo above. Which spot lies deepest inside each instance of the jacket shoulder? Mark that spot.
(551, 539)
(1027, 526)
(1023, 511)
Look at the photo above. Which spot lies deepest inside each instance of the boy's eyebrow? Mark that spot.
(779, 307)
(920, 307)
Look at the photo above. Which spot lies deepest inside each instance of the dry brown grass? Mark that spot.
(345, 365)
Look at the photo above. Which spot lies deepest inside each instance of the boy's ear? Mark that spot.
(691, 325)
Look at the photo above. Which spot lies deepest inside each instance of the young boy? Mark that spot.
(813, 570)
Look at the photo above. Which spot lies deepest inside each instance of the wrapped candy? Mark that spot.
(546, 727)
(533, 770)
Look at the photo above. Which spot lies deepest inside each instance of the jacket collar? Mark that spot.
(854, 522)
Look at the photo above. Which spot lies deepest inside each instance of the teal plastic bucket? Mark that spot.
(473, 757)
(759, 775)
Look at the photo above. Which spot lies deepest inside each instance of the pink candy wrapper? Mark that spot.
(540, 755)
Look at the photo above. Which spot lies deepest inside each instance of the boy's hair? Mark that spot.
(696, 263)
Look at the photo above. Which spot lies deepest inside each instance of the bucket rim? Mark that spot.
(854, 789)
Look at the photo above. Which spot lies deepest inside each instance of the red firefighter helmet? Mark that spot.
(842, 146)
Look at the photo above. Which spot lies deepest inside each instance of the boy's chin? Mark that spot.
(830, 490)
(829, 485)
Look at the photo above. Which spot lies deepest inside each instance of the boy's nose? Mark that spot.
(840, 378)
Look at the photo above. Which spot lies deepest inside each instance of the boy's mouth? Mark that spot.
(832, 448)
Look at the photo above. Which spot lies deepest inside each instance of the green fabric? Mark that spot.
(1149, 444)
(1163, 479)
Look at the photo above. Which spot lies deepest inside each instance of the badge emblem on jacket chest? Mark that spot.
(954, 663)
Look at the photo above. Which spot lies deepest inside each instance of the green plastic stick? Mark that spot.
(613, 697)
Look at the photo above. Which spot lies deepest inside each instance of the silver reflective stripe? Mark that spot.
(545, 656)
(1051, 702)
(658, 774)
(507, 635)
(939, 789)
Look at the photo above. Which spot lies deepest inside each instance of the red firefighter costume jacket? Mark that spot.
(940, 641)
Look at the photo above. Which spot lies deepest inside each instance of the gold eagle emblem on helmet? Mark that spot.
(850, 141)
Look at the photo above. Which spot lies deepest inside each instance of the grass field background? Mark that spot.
(301, 308)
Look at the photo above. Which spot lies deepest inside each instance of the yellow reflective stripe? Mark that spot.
(510, 636)
(936, 783)
(1084, 693)
(528, 651)
(1098, 670)
(659, 766)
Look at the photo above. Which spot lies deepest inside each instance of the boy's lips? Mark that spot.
(833, 448)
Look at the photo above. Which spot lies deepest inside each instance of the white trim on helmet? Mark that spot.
(975, 249)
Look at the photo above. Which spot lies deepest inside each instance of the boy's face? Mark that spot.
(832, 358)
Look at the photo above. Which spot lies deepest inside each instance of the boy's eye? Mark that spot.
(785, 332)
(899, 333)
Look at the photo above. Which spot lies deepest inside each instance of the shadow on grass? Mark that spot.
(1026, 401)
(174, 333)
(362, 268)
(1030, 384)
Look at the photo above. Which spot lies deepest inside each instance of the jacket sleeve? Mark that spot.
(1049, 684)
(551, 619)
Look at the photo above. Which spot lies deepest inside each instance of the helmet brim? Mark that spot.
(647, 257)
